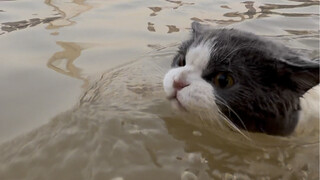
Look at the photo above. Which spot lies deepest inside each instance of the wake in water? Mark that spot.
(123, 128)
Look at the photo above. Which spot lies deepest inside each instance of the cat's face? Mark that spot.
(253, 82)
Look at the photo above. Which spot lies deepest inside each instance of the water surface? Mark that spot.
(81, 94)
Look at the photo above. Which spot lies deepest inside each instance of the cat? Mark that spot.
(254, 83)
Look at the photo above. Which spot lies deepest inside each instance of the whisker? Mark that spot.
(203, 120)
(209, 116)
(230, 109)
(229, 122)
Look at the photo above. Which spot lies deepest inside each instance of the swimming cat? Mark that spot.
(230, 74)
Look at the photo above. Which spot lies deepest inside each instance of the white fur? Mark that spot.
(198, 96)
(198, 56)
(309, 115)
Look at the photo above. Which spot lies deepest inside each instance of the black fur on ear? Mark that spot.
(300, 74)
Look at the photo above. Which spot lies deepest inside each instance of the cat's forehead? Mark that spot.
(199, 55)
(222, 47)
(202, 49)
(225, 38)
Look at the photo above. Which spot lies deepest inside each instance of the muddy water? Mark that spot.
(81, 94)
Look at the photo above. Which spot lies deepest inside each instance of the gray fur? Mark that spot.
(269, 78)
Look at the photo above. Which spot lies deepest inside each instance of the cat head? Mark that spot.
(253, 82)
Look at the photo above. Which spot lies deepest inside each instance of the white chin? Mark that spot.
(177, 105)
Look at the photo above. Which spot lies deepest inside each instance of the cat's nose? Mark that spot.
(179, 85)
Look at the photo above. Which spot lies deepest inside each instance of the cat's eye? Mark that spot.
(182, 61)
(223, 80)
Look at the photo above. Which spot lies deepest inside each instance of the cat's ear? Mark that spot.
(303, 74)
(198, 28)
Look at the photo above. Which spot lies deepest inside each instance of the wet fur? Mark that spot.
(270, 79)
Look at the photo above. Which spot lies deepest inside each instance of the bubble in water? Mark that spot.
(186, 175)
(197, 133)
(117, 178)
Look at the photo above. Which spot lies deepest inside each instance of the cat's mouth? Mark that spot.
(175, 102)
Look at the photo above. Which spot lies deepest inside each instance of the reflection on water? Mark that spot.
(303, 32)
(172, 28)
(177, 5)
(72, 51)
(270, 8)
(150, 27)
(260, 11)
(17, 25)
(155, 10)
(63, 61)
(122, 127)
(251, 10)
(68, 10)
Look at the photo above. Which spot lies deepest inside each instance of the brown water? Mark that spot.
(81, 92)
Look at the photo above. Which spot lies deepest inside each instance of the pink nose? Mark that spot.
(179, 85)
